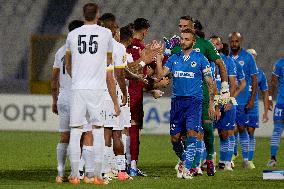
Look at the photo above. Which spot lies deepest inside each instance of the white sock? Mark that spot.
(61, 158)
(99, 143)
(107, 159)
(82, 164)
(134, 164)
(75, 150)
(120, 162)
(127, 150)
(124, 138)
(88, 155)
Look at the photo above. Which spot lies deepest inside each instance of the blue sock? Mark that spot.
(231, 145)
(244, 142)
(251, 146)
(199, 150)
(275, 138)
(178, 148)
(236, 144)
(223, 149)
(190, 151)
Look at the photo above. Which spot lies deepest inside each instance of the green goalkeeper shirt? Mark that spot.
(210, 52)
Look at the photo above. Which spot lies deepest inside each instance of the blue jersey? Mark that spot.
(230, 67)
(263, 86)
(248, 64)
(188, 73)
(278, 70)
(240, 71)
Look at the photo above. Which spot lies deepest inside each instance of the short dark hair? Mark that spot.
(188, 31)
(107, 17)
(126, 33)
(90, 11)
(75, 24)
(186, 17)
(141, 23)
(225, 50)
(107, 20)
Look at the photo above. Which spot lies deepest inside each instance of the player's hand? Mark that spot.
(157, 93)
(124, 100)
(250, 104)
(54, 108)
(270, 105)
(227, 107)
(117, 110)
(265, 118)
(217, 114)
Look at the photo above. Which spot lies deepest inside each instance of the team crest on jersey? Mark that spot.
(193, 64)
(197, 49)
(242, 63)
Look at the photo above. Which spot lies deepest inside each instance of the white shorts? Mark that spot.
(125, 116)
(117, 123)
(85, 102)
(87, 127)
(110, 120)
(64, 117)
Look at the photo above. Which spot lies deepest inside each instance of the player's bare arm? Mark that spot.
(161, 70)
(111, 83)
(266, 106)
(55, 88)
(242, 85)
(272, 87)
(253, 91)
(209, 82)
(68, 62)
(222, 68)
(120, 78)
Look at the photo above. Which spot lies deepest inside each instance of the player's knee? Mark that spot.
(192, 133)
(175, 138)
(241, 129)
(88, 138)
(250, 130)
(116, 135)
(200, 136)
(64, 137)
(223, 135)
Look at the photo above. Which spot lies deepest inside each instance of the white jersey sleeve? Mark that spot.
(57, 60)
(119, 54)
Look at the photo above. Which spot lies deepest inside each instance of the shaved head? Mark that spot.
(235, 34)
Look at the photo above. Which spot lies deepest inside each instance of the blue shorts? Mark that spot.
(185, 114)
(278, 114)
(227, 120)
(242, 117)
(253, 121)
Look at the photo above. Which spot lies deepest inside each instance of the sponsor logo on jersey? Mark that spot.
(181, 74)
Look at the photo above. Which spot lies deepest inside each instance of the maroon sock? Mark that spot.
(134, 141)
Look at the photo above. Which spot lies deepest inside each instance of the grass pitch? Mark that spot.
(28, 160)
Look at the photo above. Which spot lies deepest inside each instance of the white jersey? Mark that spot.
(64, 78)
(120, 61)
(89, 46)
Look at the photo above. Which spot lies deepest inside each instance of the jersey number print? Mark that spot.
(82, 44)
